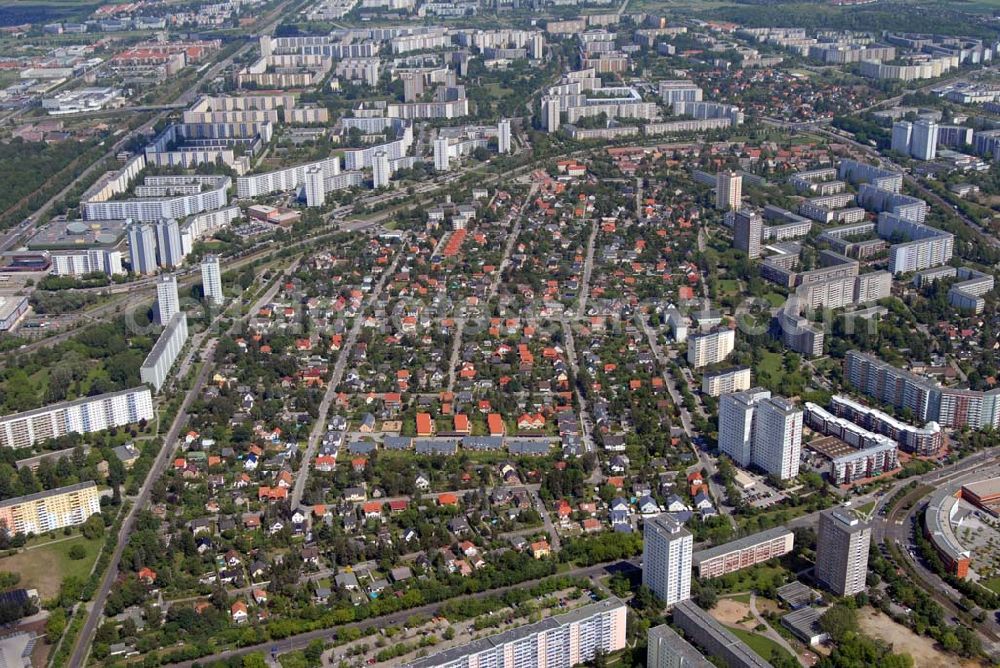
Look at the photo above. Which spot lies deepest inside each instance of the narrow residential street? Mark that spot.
(344, 356)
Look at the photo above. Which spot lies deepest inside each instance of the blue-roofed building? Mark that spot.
(528, 447)
(397, 442)
(361, 448)
(436, 446)
(482, 443)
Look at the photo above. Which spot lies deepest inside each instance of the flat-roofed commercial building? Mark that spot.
(81, 416)
(48, 511)
(941, 510)
(743, 552)
(984, 493)
(563, 640)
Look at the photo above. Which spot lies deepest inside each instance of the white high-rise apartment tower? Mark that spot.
(736, 424)
(380, 170)
(550, 112)
(666, 559)
(537, 47)
(902, 136)
(167, 300)
(503, 136)
(728, 190)
(211, 279)
(756, 429)
(924, 144)
(441, 154)
(777, 440)
(748, 228)
(842, 551)
(315, 187)
(168, 243)
(142, 249)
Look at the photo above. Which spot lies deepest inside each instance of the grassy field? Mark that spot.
(867, 508)
(729, 286)
(14, 12)
(772, 363)
(775, 299)
(992, 584)
(44, 567)
(763, 646)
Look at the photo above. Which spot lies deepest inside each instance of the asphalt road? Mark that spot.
(96, 609)
(346, 350)
(898, 526)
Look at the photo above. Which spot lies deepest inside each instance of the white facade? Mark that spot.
(211, 280)
(142, 249)
(724, 382)
(925, 139)
(381, 170)
(550, 112)
(441, 158)
(82, 262)
(503, 136)
(736, 424)
(315, 186)
(81, 416)
(777, 438)
(291, 178)
(153, 209)
(756, 429)
(710, 347)
(902, 137)
(167, 299)
(168, 244)
(561, 640)
(666, 558)
(728, 190)
(679, 90)
(161, 358)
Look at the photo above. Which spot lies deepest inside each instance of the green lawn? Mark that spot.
(763, 646)
(775, 299)
(993, 584)
(749, 579)
(43, 568)
(867, 508)
(771, 363)
(729, 286)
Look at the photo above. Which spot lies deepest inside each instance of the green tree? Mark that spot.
(55, 625)
(838, 621)
(255, 660)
